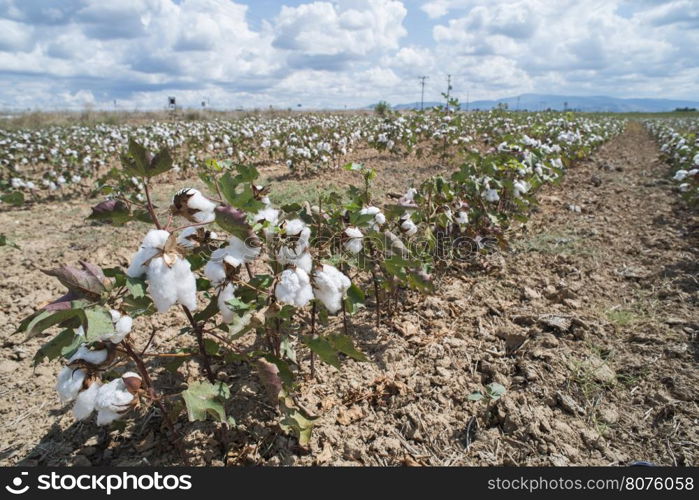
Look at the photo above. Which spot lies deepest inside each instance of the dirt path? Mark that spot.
(588, 322)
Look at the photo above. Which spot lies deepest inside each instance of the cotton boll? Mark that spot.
(186, 284)
(122, 327)
(85, 401)
(69, 382)
(185, 239)
(93, 357)
(680, 175)
(242, 250)
(491, 195)
(330, 286)
(111, 401)
(461, 217)
(520, 188)
(354, 242)
(215, 271)
(294, 287)
(379, 218)
(162, 284)
(153, 244)
(227, 293)
(408, 227)
(194, 206)
(303, 261)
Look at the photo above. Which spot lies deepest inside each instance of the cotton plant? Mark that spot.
(236, 271)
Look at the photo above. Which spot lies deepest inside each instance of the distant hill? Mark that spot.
(535, 102)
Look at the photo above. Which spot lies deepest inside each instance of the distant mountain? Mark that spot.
(535, 102)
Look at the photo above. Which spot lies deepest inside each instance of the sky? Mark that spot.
(72, 54)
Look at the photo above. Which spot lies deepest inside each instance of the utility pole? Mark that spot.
(422, 91)
(448, 90)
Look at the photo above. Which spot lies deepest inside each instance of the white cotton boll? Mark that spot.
(224, 295)
(162, 284)
(461, 217)
(684, 187)
(680, 175)
(122, 327)
(215, 272)
(408, 227)
(379, 218)
(294, 288)
(69, 382)
(85, 401)
(112, 399)
(93, 357)
(491, 195)
(330, 286)
(242, 251)
(520, 188)
(186, 284)
(354, 243)
(183, 239)
(153, 244)
(303, 261)
(268, 214)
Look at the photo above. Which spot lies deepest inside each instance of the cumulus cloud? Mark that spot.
(340, 52)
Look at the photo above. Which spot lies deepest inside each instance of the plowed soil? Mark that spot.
(588, 321)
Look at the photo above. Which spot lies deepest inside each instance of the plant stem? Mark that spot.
(149, 205)
(313, 335)
(143, 371)
(200, 342)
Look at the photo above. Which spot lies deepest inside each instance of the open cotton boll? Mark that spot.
(520, 188)
(491, 195)
(170, 285)
(330, 286)
(379, 217)
(69, 382)
(93, 357)
(461, 217)
(215, 270)
(225, 294)
(354, 242)
(294, 288)
(243, 251)
(184, 239)
(113, 399)
(303, 261)
(193, 205)
(408, 227)
(408, 198)
(153, 244)
(122, 327)
(680, 175)
(85, 401)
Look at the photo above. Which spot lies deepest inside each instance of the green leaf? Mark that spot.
(237, 305)
(211, 347)
(111, 211)
(5, 242)
(205, 398)
(160, 163)
(495, 390)
(296, 420)
(207, 313)
(61, 344)
(136, 286)
(355, 294)
(45, 319)
(344, 344)
(15, 198)
(98, 323)
(475, 396)
(324, 349)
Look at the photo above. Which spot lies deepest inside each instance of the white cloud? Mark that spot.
(337, 52)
